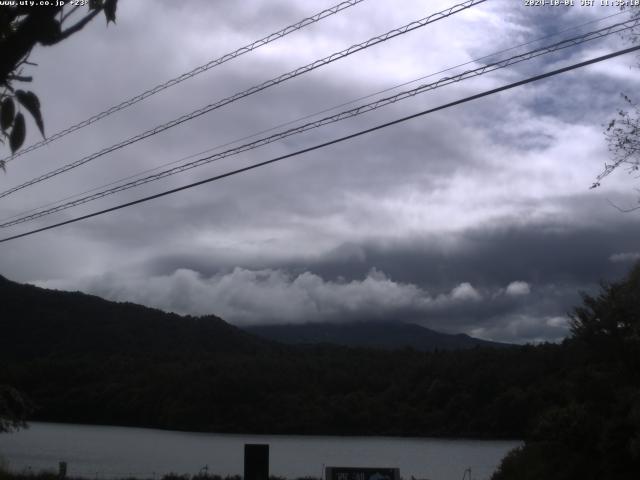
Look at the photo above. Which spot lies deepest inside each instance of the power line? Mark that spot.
(617, 28)
(275, 81)
(196, 71)
(308, 116)
(315, 114)
(340, 116)
(331, 142)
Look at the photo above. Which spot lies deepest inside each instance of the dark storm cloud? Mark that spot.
(509, 282)
(539, 253)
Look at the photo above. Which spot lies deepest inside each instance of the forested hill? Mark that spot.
(385, 335)
(37, 322)
(43, 321)
(84, 359)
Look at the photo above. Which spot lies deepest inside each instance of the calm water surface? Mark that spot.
(106, 452)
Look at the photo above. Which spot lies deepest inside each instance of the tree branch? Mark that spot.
(78, 25)
(623, 210)
(20, 78)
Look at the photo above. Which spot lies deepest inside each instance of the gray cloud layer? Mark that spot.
(475, 219)
(274, 296)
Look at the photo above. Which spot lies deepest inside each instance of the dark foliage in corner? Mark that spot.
(21, 29)
(594, 433)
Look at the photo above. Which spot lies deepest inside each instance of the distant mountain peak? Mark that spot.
(383, 334)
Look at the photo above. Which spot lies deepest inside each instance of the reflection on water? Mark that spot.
(105, 452)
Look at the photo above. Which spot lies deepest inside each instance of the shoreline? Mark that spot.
(283, 434)
(52, 475)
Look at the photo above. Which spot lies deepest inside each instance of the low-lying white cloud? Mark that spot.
(518, 288)
(465, 292)
(245, 297)
(625, 257)
(524, 328)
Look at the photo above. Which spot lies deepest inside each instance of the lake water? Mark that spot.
(107, 452)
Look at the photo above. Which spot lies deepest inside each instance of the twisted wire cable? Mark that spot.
(308, 116)
(330, 142)
(572, 42)
(196, 71)
(269, 83)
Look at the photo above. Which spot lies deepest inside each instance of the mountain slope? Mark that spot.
(385, 335)
(40, 322)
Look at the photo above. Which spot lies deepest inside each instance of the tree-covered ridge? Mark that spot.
(38, 323)
(83, 359)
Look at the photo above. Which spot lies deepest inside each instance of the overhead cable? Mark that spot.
(572, 42)
(275, 81)
(174, 81)
(306, 117)
(330, 142)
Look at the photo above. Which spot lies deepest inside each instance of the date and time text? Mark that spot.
(582, 3)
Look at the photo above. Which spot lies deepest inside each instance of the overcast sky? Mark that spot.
(476, 219)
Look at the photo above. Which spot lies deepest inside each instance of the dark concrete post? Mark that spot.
(256, 462)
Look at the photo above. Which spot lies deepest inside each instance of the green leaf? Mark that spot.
(110, 10)
(30, 101)
(16, 139)
(7, 114)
